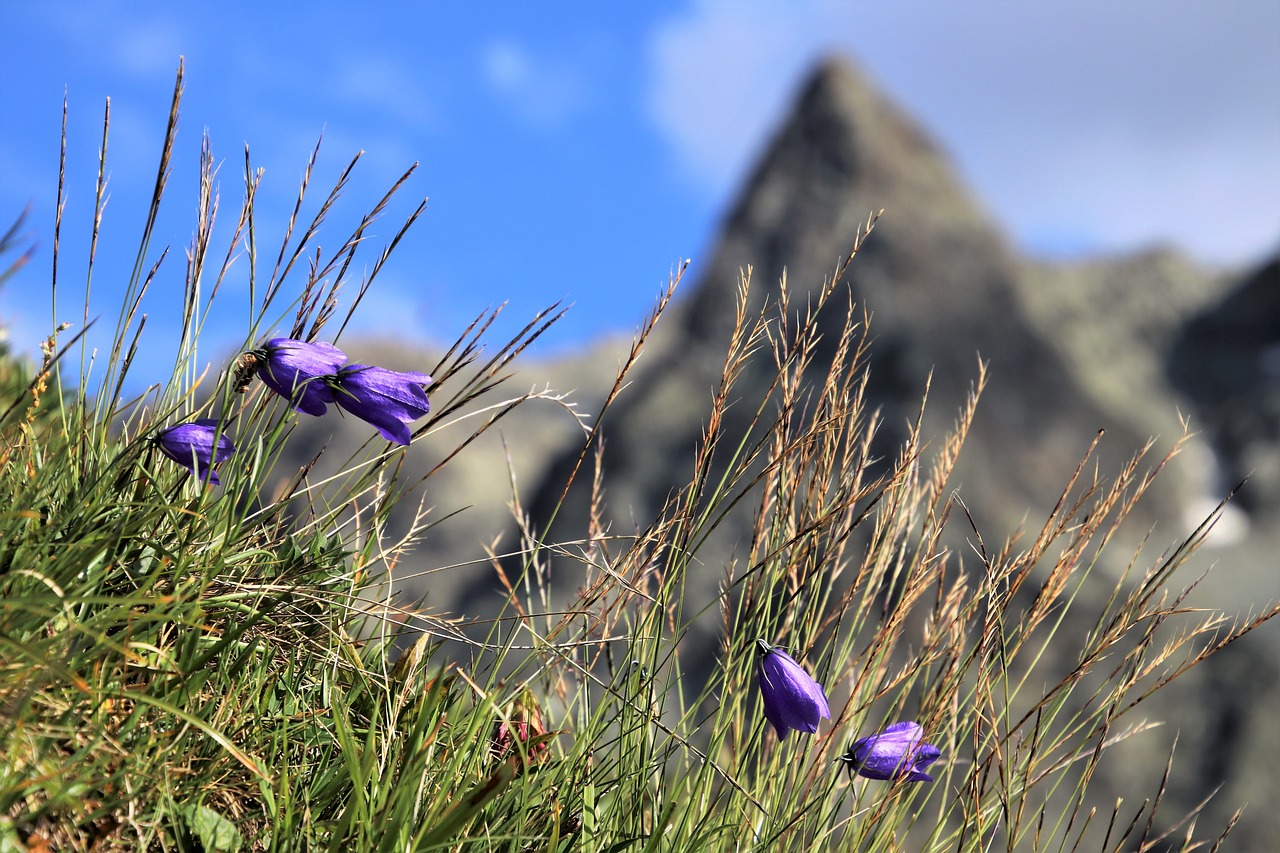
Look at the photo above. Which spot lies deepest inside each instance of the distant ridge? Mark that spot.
(940, 282)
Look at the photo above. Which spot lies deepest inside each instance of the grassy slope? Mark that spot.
(187, 667)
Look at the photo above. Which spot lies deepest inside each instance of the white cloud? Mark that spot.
(506, 66)
(722, 73)
(543, 93)
(141, 42)
(1125, 123)
(385, 84)
(148, 49)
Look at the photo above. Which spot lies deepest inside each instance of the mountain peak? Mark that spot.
(856, 131)
(843, 152)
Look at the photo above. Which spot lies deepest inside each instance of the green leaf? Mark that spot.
(9, 840)
(468, 807)
(216, 833)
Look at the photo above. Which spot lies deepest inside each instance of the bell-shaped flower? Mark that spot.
(792, 700)
(522, 734)
(296, 371)
(897, 752)
(192, 446)
(388, 399)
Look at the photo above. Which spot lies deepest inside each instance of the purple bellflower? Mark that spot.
(897, 752)
(792, 700)
(192, 446)
(387, 399)
(296, 369)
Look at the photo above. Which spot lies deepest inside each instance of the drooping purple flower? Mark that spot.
(388, 399)
(192, 446)
(897, 752)
(792, 700)
(296, 370)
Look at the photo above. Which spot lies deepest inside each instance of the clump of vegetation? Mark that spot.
(194, 654)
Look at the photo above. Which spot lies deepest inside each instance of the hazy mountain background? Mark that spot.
(1130, 345)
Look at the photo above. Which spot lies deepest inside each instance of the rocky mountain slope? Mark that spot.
(944, 289)
(1124, 345)
(1227, 361)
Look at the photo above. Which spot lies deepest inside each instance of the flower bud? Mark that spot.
(792, 700)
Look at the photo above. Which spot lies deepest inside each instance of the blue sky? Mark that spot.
(577, 150)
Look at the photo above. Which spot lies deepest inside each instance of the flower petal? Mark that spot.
(388, 399)
(896, 751)
(296, 369)
(792, 699)
(192, 446)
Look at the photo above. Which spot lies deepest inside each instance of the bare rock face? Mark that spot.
(1114, 320)
(1227, 362)
(943, 289)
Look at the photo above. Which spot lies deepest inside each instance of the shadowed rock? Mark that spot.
(1227, 361)
(940, 282)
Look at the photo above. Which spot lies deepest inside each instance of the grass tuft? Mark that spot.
(185, 667)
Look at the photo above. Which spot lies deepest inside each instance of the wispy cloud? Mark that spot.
(387, 84)
(149, 49)
(138, 45)
(1123, 123)
(540, 91)
(721, 76)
